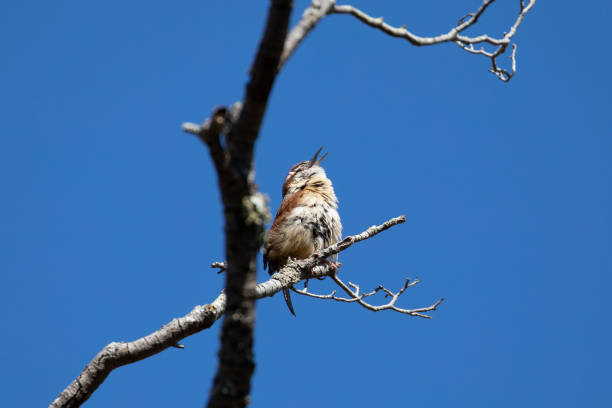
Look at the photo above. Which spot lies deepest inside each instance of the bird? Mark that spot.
(307, 219)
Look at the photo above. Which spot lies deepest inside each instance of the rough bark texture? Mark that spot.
(117, 354)
(244, 225)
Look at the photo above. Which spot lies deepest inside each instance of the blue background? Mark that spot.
(110, 215)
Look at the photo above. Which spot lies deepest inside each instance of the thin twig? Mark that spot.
(355, 296)
(455, 35)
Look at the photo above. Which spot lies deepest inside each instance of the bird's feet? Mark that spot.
(332, 265)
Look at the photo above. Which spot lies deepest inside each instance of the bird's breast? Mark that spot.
(311, 225)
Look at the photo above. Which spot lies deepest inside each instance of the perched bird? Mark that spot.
(307, 219)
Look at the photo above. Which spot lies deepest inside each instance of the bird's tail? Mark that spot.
(287, 296)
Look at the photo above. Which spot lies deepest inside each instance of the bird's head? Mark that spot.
(306, 174)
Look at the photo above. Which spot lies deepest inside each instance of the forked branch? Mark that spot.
(118, 354)
(455, 34)
(353, 291)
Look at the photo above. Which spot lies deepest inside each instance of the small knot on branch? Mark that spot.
(221, 265)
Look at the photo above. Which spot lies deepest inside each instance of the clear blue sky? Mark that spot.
(110, 215)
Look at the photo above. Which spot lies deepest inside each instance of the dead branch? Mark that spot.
(118, 354)
(310, 18)
(454, 34)
(245, 212)
(356, 297)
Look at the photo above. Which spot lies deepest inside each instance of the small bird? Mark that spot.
(307, 219)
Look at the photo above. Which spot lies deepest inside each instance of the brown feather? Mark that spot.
(307, 219)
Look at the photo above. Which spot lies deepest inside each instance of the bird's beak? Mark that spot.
(314, 160)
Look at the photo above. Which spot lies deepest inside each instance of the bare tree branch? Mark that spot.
(356, 297)
(209, 133)
(245, 213)
(311, 16)
(454, 34)
(292, 273)
(117, 354)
